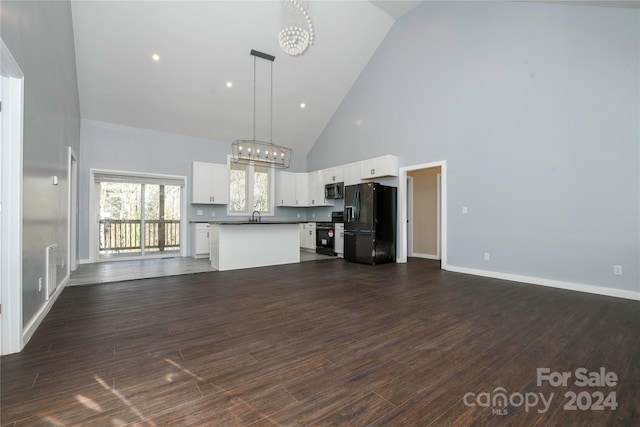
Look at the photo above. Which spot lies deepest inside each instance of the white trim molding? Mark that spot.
(12, 81)
(402, 203)
(34, 323)
(425, 256)
(570, 286)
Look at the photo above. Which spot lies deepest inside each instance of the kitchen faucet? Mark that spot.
(254, 219)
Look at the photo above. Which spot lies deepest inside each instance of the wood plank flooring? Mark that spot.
(117, 271)
(322, 343)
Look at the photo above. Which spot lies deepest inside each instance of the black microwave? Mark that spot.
(335, 190)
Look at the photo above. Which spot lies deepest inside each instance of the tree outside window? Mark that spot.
(250, 189)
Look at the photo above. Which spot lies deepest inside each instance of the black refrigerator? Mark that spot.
(370, 223)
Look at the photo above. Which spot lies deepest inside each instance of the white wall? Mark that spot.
(40, 37)
(535, 108)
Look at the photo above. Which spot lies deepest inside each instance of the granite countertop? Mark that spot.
(240, 222)
(256, 223)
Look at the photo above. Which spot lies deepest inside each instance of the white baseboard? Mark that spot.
(33, 324)
(599, 290)
(426, 256)
(84, 261)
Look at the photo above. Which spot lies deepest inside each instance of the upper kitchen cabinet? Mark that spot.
(379, 167)
(333, 175)
(316, 189)
(302, 189)
(292, 189)
(352, 174)
(285, 189)
(209, 184)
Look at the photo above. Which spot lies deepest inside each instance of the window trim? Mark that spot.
(272, 198)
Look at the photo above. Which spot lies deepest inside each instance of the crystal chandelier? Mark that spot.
(252, 151)
(295, 37)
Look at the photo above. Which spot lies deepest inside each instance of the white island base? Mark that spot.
(243, 245)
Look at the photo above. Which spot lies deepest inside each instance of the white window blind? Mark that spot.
(137, 178)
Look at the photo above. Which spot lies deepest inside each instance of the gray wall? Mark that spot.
(109, 146)
(40, 37)
(535, 108)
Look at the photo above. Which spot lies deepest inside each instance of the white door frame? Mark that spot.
(12, 80)
(94, 190)
(409, 222)
(72, 220)
(439, 216)
(402, 202)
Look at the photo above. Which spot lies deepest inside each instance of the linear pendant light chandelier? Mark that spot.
(252, 151)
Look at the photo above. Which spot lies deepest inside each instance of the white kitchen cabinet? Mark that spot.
(292, 189)
(285, 189)
(333, 175)
(379, 167)
(338, 241)
(200, 240)
(302, 190)
(209, 184)
(308, 236)
(352, 173)
(316, 189)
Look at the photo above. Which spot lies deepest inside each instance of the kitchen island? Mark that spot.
(236, 245)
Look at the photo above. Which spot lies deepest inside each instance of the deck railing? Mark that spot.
(123, 235)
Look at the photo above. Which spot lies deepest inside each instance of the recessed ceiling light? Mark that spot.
(229, 84)
(156, 57)
(303, 105)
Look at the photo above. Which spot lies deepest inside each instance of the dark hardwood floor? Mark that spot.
(324, 343)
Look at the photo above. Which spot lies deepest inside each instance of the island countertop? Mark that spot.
(255, 223)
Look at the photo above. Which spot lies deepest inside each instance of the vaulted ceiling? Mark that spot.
(202, 45)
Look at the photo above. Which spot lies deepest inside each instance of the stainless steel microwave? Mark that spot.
(335, 190)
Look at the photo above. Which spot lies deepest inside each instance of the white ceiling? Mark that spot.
(204, 44)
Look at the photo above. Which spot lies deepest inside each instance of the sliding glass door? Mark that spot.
(137, 219)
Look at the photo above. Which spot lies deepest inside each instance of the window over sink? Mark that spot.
(250, 189)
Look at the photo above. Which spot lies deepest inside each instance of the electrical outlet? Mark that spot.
(62, 263)
(465, 210)
(213, 213)
(617, 270)
(40, 284)
(487, 256)
(298, 215)
(313, 215)
(199, 212)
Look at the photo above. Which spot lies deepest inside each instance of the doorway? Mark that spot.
(138, 216)
(423, 213)
(436, 247)
(73, 213)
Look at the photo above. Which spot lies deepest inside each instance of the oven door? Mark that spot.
(325, 236)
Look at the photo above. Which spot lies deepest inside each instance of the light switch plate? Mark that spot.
(199, 212)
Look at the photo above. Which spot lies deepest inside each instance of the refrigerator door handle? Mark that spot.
(357, 205)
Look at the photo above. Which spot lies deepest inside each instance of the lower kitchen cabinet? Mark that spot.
(200, 240)
(338, 241)
(308, 236)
